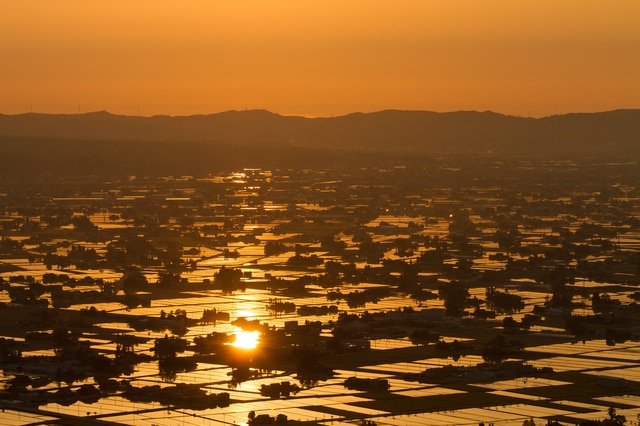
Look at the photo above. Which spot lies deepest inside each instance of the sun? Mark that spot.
(246, 339)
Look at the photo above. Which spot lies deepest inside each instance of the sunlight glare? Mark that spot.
(246, 339)
(243, 313)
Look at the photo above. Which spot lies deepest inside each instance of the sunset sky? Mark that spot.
(319, 58)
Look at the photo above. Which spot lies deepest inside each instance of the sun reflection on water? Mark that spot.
(246, 339)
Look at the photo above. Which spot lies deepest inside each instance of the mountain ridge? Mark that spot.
(392, 129)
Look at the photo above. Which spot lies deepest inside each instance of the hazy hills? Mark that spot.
(414, 130)
(102, 142)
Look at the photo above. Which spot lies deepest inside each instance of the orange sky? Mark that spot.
(319, 58)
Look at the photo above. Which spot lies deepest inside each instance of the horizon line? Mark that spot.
(311, 116)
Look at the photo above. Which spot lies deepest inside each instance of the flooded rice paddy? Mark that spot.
(380, 275)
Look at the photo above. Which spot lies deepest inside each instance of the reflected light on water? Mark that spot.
(244, 313)
(246, 339)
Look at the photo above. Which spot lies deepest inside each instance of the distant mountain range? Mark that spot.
(37, 146)
(412, 131)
